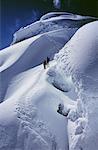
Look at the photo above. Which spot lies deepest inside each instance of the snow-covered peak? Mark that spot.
(79, 57)
(24, 55)
(31, 94)
(51, 22)
(65, 15)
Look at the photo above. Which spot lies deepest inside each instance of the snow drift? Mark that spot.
(79, 58)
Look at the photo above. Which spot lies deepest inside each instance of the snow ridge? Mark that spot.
(50, 22)
(79, 58)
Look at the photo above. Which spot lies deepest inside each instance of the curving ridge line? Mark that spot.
(8, 57)
(64, 15)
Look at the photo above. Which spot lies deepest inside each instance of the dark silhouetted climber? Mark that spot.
(44, 64)
(48, 59)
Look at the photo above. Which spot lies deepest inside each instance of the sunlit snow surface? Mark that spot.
(30, 94)
(79, 58)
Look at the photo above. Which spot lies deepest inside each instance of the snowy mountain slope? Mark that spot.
(79, 58)
(30, 94)
(51, 22)
(31, 91)
(71, 60)
(15, 56)
(29, 97)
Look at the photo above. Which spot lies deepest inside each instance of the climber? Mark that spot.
(48, 59)
(44, 64)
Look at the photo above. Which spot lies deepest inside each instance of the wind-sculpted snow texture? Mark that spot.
(28, 117)
(30, 95)
(58, 80)
(52, 22)
(23, 129)
(79, 58)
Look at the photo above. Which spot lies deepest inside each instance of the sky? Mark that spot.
(19, 13)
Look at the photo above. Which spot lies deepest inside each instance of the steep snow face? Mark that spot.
(79, 58)
(49, 36)
(28, 113)
(29, 118)
(51, 22)
(58, 80)
(25, 55)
